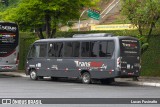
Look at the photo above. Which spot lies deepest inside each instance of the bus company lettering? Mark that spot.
(8, 28)
(92, 65)
(129, 45)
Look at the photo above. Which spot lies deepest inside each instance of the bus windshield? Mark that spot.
(8, 38)
(129, 47)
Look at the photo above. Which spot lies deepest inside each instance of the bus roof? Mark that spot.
(85, 38)
(7, 22)
(92, 35)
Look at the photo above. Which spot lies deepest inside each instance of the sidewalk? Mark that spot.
(16, 74)
(143, 81)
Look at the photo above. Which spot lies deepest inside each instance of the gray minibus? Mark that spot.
(87, 57)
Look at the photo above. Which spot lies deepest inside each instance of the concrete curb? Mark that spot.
(141, 83)
(14, 74)
(154, 84)
(149, 84)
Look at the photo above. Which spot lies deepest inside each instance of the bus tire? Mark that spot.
(86, 78)
(33, 75)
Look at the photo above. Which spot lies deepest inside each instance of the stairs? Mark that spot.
(109, 11)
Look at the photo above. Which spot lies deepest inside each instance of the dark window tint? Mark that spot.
(106, 48)
(43, 50)
(103, 49)
(110, 48)
(6, 50)
(129, 47)
(38, 50)
(32, 51)
(52, 52)
(85, 49)
(76, 49)
(8, 36)
(94, 47)
(68, 48)
(59, 49)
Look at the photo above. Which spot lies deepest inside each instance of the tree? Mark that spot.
(37, 14)
(5, 2)
(142, 13)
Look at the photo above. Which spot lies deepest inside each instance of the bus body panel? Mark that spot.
(8, 46)
(72, 67)
(130, 57)
(130, 66)
(9, 63)
(103, 68)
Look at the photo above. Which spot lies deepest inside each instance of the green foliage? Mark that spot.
(11, 3)
(143, 42)
(142, 13)
(118, 32)
(26, 39)
(151, 58)
(34, 14)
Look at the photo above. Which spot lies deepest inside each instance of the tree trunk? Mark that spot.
(140, 29)
(150, 31)
(39, 33)
(53, 33)
(151, 27)
(48, 25)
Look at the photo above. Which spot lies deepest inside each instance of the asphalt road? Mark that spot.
(19, 87)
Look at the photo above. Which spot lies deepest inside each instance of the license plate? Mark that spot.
(128, 66)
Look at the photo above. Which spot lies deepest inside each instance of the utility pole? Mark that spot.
(79, 22)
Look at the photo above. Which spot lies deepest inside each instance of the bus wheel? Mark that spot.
(86, 78)
(33, 75)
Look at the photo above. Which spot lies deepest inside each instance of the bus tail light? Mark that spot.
(119, 62)
(7, 67)
(17, 61)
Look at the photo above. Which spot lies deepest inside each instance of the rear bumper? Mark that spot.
(127, 74)
(8, 68)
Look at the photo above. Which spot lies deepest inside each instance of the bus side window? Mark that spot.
(106, 49)
(68, 49)
(103, 49)
(76, 49)
(38, 51)
(32, 52)
(85, 49)
(94, 49)
(42, 50)
(59, 49)
(110, 48)
(51, 52)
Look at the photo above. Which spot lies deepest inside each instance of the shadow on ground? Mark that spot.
(7, 76)
(76, 81)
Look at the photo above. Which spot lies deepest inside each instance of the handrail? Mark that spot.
(111, 8)
(107, 7)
